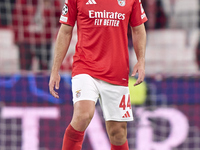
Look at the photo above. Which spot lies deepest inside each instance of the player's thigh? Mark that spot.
(83, 113)
(85, 95)
(84, 109)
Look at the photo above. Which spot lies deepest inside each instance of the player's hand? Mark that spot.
(54, 84)
(140, 69)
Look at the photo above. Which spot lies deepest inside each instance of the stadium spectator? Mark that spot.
(6, 9)
(156, 14)
(35, 23)
(198, 44)
(160, 16)
(198, 54)
(100, 65)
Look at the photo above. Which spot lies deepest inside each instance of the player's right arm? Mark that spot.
(61, 48)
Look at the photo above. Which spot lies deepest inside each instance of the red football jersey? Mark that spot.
(102, 46)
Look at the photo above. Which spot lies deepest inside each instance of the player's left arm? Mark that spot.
(139, 44)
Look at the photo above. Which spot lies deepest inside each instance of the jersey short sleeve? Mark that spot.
(69, 13)
(138, 15)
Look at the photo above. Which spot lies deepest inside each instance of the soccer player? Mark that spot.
(100, 64)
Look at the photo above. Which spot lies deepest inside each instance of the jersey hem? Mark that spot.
(103, 79)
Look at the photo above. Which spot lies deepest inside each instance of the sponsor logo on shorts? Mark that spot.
(78, 93)
(126, 115)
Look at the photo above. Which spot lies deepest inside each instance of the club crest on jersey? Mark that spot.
(64, 10)
(121, 2)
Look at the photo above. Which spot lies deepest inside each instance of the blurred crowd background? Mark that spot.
(166, 106)
(28, 30)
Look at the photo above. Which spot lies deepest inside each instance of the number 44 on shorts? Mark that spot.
(123, 104)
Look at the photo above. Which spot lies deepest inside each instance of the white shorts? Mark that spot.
(114, 99)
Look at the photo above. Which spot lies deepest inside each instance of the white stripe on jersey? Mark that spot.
(94, 2)
(91, 2)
